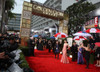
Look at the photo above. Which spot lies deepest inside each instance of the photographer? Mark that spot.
(13, 44)
(2, 55)
(7, 46)
(0, 39)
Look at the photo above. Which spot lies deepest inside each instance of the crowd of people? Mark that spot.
(79, 52)
(11, 42)
(8, 43)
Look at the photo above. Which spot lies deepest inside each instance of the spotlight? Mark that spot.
(98, 12)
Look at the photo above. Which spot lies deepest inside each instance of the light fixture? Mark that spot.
(32, 30)
(50, 30)
(98, 12)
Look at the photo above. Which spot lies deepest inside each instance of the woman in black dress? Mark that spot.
(87, 54)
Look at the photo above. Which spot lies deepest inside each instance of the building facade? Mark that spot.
(93, 14)
(14, 23)
(41, 24)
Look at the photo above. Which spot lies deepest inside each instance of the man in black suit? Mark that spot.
(31, 46)
(74, 50)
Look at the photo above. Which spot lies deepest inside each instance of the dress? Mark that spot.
(87, 57)
(64, 58)
(80, 57)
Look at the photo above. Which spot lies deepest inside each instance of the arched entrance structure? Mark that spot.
(40, 10)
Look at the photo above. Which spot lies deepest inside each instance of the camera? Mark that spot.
(5, 47)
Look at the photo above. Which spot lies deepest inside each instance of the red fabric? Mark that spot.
(97, 30)
(92, 51)
(80, 32)
(46, 62)
(79, 38)
(60, 35)
(98, 44)
(96, 25)
(88, 31)
(57, 34)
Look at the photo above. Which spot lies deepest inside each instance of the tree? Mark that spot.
(7, 6)
(78, 15)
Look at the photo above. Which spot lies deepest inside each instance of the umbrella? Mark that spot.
(97, 44)
(93, 30)
(48, 38)
(57, 34)
(35, 35)
(82, 34)
(52, 37)
(79, 38)
(61, 35)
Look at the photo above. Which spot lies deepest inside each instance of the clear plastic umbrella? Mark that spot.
(82, 34)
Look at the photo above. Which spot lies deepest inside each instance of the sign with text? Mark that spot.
(44, 11)
(36, 9)
(96, 21)
(69, 40)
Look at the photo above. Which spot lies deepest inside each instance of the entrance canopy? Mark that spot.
(35, 8)
(44, 11)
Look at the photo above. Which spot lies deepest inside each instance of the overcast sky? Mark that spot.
(19, 3)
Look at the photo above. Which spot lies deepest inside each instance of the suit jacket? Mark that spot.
(74, 48)
(57, 48)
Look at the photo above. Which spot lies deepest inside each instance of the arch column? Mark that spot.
(63, 25)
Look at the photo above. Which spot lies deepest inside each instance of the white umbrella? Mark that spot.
(80, 38)
(93, 30)
(61, 35)
(82, 34)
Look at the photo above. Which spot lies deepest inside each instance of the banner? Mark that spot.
(44, 11)
(70, 40)
(96, 21)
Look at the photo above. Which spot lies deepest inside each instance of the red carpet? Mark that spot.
(45, 62)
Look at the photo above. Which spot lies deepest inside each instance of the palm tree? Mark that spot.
(8, 6)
